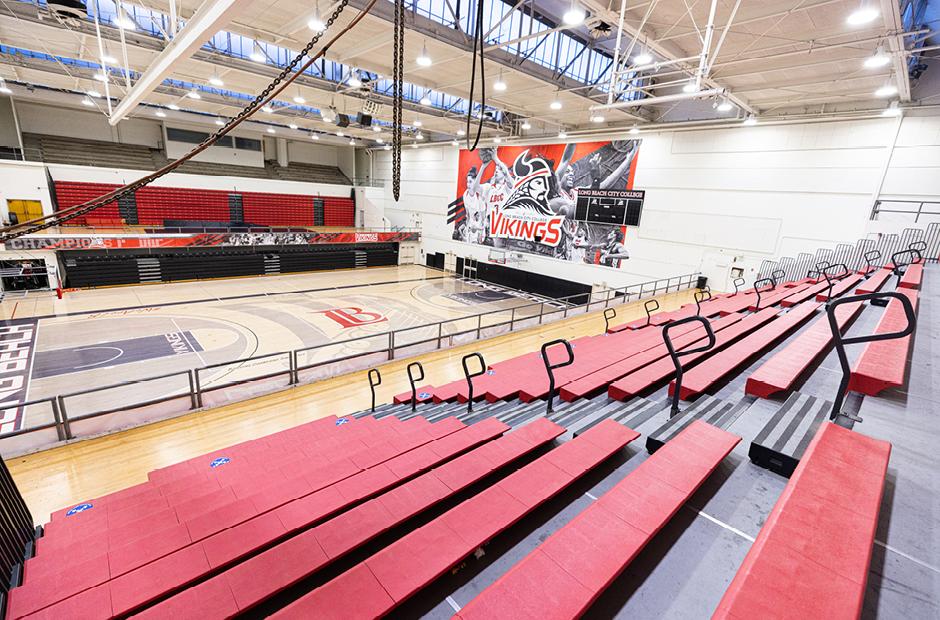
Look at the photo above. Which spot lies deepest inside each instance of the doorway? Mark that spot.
(23, 210)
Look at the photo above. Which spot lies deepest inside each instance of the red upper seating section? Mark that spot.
(156, 204)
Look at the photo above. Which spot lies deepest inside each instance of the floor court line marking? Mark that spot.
(591, 496)
(906, 556)
(192, 346)
(721, 523)
(450, 601)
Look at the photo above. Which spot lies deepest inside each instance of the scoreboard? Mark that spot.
(612, 207)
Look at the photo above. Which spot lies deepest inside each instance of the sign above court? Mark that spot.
(572, 202)
(187, 240)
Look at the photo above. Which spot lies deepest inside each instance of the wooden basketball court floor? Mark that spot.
(95, 338)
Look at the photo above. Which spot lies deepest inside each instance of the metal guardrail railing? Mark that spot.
(196, 385)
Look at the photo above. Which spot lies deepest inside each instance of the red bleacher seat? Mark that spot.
(781, 371)
(840, 287)
(805, 294)
(912, 276)
(721, 364)
(566, 573)
(275, 514)
(648, 376)
(874, 282)
(883, 364)
(400, 570)
(651, 350)
(247, 584)
(775, 296)
(811, 557)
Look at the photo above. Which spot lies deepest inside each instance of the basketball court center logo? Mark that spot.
(353, 317)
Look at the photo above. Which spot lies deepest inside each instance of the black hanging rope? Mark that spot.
(478, 43)
(398, 63)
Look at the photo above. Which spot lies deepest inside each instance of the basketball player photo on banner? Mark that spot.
(572, 202)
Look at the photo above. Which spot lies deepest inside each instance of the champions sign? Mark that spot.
(526, 199)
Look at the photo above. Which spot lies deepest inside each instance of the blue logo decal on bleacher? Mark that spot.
(491, 372)
(423, 395)
(78, 509)
(222, 460)
(342, 421)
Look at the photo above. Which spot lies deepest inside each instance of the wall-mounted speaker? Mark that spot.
(342, 120)
(364, 119)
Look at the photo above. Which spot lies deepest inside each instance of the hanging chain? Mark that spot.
(398, 63)
(247, 111)
(478, 44)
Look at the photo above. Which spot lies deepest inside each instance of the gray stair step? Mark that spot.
(780, 445)
(709, 409)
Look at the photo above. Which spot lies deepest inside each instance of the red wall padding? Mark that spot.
(155, 204)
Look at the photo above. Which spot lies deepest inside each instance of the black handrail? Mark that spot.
(836, 415)
(870, 255)
(608, 317)
(470, 376)
(758, 291)
(374, 384)
(773, 275)
(809, 274)
(699, 296)
(411, 380)
(549, 368)
(921, 247)
(901, 267)
(738, 282)
(822, 264)
(825, 273)
(676, 354)
(646, 306)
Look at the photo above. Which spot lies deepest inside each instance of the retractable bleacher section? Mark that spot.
(151, 206)
(507, 510)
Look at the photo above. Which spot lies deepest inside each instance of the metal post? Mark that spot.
(57, 416)
(192, 389)
(292, 366)
(65, 417)
(440, 333)
(512, 317)
(541, 310)
(479, 325)
(391, 345)
(198, 388)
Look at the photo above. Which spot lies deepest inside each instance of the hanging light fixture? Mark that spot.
(173, 107)
(417, 122)
(194, 94)
(215, 80)
(888, 90)
(219, 122)
(597, 118)
(424, 60)
(642, 58)
(354, 80)
(864, 14)
(634, 130)
(556, 104)
(461, 132)
(691, 86)
(724, 106)
(893, 109)
(878, 59)
(574, 16)
(90, 93)
(160, 113)
(257, 54)
(562, 135)
(292, 125)
(526, 125)
(750, 120)
(499, 85)
(267, 109)
(425, 100)
(314, 136)
(316, 22)
(123, 21)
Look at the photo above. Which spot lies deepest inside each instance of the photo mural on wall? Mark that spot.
(572, 201)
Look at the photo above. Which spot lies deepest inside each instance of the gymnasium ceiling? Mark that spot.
(771, 59)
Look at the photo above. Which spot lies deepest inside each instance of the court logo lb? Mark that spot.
(342, 421)
(222, 460)
(353, 317)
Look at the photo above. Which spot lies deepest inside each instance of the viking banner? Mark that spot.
(573, 202)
